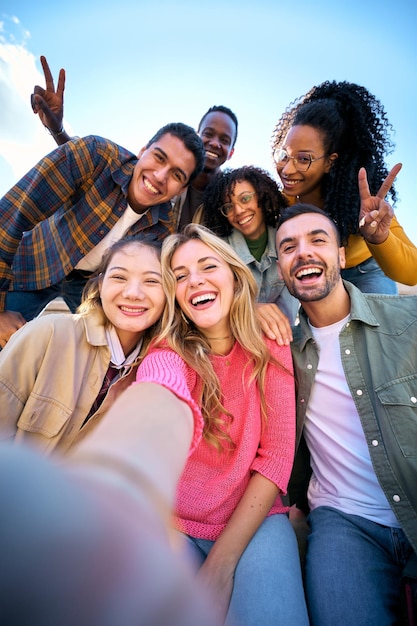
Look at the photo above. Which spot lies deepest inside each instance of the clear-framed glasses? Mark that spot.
(302, 160)
(242, 201)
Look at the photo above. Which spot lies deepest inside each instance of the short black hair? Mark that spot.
(219, 108)
(190, 140)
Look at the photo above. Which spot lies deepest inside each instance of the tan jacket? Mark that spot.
(51, 371)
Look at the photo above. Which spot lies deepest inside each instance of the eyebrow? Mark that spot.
(318, 231)
(176, 168)
(202, 260)
(119, 268)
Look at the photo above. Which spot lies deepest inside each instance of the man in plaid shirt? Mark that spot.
(56, 222)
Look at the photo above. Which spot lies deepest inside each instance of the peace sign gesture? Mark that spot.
(375, 213)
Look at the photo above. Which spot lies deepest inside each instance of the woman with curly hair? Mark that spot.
(243, 206)
(323, 143)
(213, 356)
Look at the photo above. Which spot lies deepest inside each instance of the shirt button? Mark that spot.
(396, 498)
(375, 443)
(309, 366)
(347, 351)
(359, 392)
(413, 399)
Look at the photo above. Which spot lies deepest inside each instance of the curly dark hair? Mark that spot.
(221, 187)
(353, 123)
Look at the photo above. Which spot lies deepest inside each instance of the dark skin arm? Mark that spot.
(49, 104)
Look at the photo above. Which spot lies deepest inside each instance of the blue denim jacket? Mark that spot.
(271, 287)
(379, 356)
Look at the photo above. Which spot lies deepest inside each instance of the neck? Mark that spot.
(203, 179)
(312, 197)
(332, 309)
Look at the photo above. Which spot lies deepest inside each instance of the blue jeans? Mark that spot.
(353, 570)
(31, 303)
(268, 588)
(369, 278)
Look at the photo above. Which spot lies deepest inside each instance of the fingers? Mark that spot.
(387, 184)
(274, 323)
(48, 75)
(364, 192)
(61, 85)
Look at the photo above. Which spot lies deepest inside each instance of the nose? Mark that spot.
(196, 278)
(215, 141)
(133, 290)
(161, 173)
(289, 168)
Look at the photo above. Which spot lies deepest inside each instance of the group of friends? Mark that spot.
(237, 355)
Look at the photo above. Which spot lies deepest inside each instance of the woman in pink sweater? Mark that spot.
(213, 356)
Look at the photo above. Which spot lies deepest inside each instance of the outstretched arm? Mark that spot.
(49, 104)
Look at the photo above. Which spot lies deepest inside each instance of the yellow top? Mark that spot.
(397, 256)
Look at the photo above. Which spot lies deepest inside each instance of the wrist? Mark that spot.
(55, 133)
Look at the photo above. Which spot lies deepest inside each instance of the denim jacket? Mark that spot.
(378, 347)
(271, 287)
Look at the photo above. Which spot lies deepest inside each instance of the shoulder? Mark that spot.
(281, 353)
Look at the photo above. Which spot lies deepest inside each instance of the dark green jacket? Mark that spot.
(379, 356)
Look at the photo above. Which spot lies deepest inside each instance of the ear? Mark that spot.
(231, 154)
(141, 151)
(342, 258)
(331, 161)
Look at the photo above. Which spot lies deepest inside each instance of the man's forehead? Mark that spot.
(306, 224)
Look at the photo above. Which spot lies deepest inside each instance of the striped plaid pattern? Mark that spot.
(62, 208)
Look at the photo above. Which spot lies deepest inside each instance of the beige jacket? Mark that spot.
(51, 371)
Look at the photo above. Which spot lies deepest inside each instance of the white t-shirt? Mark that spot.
(92, 259)
(343, 476)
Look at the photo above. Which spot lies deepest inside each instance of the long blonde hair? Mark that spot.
(186, 339)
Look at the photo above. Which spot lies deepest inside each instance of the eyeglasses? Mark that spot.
(242, 201)
(302, 161)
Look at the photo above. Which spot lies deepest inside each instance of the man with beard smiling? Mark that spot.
(217, 129)
(355, 362)
(57, 221)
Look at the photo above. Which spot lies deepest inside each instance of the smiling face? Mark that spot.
(246, 215)
(162, 171)
(309, 256)
(205, 287)
(301, 141)
(131, 292)
(218, 133)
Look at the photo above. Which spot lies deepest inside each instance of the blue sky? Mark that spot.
(134, 65)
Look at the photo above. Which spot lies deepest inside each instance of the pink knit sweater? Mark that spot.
(213, 482)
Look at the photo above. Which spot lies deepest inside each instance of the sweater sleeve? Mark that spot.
(165, 367)
(397, 255)
(275, 455)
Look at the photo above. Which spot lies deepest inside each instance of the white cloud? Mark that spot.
(23, 140)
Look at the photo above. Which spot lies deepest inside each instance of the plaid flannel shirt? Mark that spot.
(62, 208)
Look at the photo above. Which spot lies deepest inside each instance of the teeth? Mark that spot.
(245, 220)
(129, 309)
(308, 272)
(150, 187)
(203, 298)
(211, 155)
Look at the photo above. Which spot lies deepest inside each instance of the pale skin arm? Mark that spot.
(375, 213)
(217, 571)
(10, 322)
(49, 104)
(146, 434)
(274, 323)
